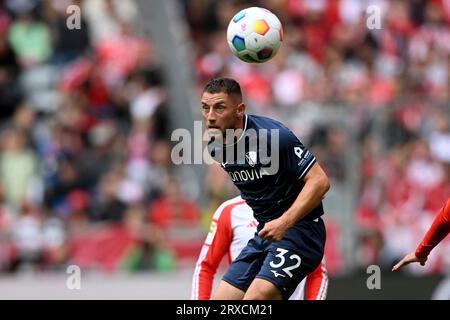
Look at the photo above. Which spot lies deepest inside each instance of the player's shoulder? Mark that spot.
(262, 122)
(227, 206)
(285, 135)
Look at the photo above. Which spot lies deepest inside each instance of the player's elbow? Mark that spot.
(323, 184)
(318, 179)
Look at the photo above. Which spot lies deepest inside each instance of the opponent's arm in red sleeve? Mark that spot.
(438, 231)
(215, 247)
(316, 286)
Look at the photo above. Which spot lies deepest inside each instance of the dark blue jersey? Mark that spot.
(267, 164)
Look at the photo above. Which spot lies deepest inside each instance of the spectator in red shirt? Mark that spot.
(172, 209)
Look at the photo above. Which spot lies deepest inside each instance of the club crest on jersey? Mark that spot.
(251, 158)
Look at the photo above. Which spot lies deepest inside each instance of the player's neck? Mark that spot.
(240, 128)
(241, 123)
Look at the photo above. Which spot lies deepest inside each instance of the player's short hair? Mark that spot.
(226, 85)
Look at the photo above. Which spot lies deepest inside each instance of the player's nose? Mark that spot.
(211, 116)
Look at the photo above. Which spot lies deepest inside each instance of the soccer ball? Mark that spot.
(255, 35)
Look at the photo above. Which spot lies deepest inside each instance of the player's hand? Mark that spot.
(274, 230)
(409, 258)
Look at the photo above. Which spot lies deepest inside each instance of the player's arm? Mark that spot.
(316, 184)
(214, 248)
(438, 231)
(315, 188)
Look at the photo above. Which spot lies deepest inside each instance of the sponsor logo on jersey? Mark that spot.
(302, 154)
(211, 233)
(252, 224)
(247, 175)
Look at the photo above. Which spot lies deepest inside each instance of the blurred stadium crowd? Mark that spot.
(85, 159)
(85, 169)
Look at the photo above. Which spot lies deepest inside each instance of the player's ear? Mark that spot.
(240, 109)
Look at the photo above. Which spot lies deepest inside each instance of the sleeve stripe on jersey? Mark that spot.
(222, 207)
(198, 268)
(313, 160)
(324, 285)
(222, 212)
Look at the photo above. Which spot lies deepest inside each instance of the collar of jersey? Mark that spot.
(243, 132)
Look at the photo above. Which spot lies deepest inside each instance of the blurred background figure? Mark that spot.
(179, 220)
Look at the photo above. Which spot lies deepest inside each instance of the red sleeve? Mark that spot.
(438, 231)
(317, 283)
(215, 247)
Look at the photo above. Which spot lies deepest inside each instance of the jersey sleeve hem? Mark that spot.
(308, 167)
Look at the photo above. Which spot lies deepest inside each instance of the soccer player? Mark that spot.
(438, 231)
(232, 226)
(282, 183)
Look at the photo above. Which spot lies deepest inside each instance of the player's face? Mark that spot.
(221, 111)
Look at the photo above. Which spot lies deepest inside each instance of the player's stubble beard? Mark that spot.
(229, 134)
(234, 131)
